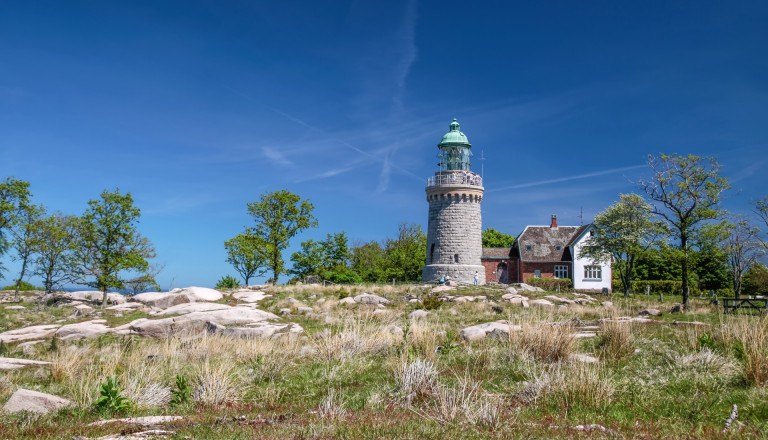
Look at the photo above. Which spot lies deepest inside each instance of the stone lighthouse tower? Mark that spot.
(454, 193)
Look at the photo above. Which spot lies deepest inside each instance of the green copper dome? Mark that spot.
(454, 136)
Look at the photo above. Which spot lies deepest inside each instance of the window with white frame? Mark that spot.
(561, 271)
(593, 273)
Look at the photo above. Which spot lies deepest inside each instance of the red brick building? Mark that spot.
(546, 252)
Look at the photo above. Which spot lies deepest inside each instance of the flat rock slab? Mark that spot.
(15, 364)
(196, 322)
(584, 358)
(249, 296)
(14, 308)
(29, 333)
(442, 288)
(541, 302)
(87, 329)
(418, 314)
(141, 421)
(183, 309)
(690, 323)
(367, 298)
(34, 401)
(259, 330)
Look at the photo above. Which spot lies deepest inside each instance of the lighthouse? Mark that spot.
(454, 230)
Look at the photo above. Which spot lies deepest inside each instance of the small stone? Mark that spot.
(284, 312)
(677, 308)
(418, 314)
(303, 310)
(650, 312)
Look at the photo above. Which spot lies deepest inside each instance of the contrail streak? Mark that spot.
(567, 179)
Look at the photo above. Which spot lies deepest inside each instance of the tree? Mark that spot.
(108, 242)
(493, 238)
(755, 280)
(327, 258)
(405, 255)
(145, 281)
(24, 238)
(55, 238)
(13, 194)
(687, 190)
(369, 261)
(246, 253)
(761, 207)
(624, 231)
(743, 249)
(279, 216)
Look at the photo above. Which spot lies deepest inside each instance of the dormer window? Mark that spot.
(528, 247)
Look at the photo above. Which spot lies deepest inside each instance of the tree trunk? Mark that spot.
(684, 267)
(104, 299)
(21, 275)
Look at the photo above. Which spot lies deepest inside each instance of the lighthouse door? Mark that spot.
(501, 273)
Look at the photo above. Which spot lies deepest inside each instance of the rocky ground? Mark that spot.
(254, 346)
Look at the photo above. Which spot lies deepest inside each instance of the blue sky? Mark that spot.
(198, 107)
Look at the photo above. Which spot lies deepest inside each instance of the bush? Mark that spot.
(665, 287)
(552, 284)
(111, 397)
(342, 275)
(227, 282)
(431, 302)
(23, 286)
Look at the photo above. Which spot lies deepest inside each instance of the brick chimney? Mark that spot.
(554, 221)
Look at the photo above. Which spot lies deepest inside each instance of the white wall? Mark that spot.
(579, 282)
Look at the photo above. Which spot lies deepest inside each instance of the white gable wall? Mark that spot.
(580, 281)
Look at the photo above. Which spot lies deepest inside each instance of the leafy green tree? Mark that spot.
(623, 231)
(279, 216)
(327, 258)
(687, 191)
(369, 261)
(406, 255)
(54, 245)
(246, 253)
(309, 260)
(24, 239)
(659, 263)
(755, 280)
(108, 242)
(493, 238)
(14, 194)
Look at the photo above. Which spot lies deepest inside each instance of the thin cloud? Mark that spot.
(568, 179)
(276, 156)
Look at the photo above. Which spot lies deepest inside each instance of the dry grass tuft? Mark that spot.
(545, 343)
(616, 340)
(415, 380)
(568, 385)
(465, 402)
(330, 407)
(748, 336)
(217, 385)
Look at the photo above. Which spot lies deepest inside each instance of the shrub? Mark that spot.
(23, 287)
(227, 282)
(111, 398)
(431, 302)
(182, 394)
(665, 287)
(552, 284)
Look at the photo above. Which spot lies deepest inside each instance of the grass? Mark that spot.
(360, 374)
